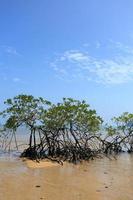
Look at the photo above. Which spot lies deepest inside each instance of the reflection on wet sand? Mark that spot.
(101, 179)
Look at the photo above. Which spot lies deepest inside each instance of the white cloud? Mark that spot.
(75, 56)
(118, 69)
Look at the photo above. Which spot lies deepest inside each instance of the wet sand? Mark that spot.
(100, 179)
(41, 164)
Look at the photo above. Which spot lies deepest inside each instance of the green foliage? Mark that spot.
(111, 131)
(24, 109)
(72, 113)
(122, 125)
(125, 119)
(66, 129)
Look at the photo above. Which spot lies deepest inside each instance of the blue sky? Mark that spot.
(75, 48)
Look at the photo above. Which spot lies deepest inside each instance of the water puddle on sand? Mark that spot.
(101, 179)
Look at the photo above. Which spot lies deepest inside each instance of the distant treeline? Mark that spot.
(69, 130)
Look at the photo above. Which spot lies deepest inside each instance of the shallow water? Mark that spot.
(101, 179)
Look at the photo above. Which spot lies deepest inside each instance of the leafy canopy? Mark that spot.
(72, 113)
(24, 109)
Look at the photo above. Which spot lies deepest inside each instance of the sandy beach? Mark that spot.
(101, 179)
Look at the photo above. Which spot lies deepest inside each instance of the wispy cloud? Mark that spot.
(116, 69)
(86, 45)
(4, 77)
(16, 79)
(98, 45)
(120, 47)
(9, 50)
